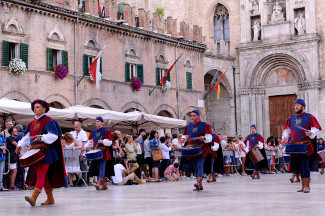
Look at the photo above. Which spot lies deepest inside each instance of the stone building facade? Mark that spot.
(276, 50)
(44, 35)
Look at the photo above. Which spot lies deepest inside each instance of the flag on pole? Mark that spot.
(94, 68)
(163, 79)
(98, 8)
(215, 84)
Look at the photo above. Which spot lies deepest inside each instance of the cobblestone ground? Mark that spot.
(233, 195)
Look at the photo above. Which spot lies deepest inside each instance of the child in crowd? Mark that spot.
(172, 173)
(145, 174)
(165, 149)
(230, 146)
(270, 146)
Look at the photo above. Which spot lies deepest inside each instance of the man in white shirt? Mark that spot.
(119, 169)
(81, 135)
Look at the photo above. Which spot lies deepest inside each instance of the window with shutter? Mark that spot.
(140, 72)
(86, 66)
(101, 67)
(127, 72)
(189, 80)
(158, 76)
(49, 59)
(24, 53)
(65, 59)
(5, 53)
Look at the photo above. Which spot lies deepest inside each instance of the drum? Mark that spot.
(255, 155)
(296, 149)
(321, 157)
(96, 154)
(31, 158)
(192, 151)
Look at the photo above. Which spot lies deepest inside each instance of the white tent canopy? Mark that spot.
(127, 122)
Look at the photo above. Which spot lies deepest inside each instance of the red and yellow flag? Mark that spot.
(215, 84)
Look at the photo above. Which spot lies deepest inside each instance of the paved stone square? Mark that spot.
(234, 195)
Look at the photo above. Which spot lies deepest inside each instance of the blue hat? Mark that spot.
(99, 118)
(254, 126)
(197, 112)
(301, 102)
(45, 104)
(321, 139)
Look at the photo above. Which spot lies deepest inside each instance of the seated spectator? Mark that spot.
(2, 160)
(131, 152)
(145, 174)
(11, 145)
(119, 169)
(172, 173)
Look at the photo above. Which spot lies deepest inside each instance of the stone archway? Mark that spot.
(57, 105)
(59, 100)
(165, 107)
(219, 113)
(16, 95)
(97, 103)
(135, 106)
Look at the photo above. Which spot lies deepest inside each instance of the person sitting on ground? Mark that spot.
(145, 174)
(172, 173)
(119, 169)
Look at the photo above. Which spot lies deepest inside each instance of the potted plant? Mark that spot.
(17, 66)
(136, 84)
(60, 71)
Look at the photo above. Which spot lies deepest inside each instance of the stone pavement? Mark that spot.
(235, 195)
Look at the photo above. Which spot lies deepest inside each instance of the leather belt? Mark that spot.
(301, 142)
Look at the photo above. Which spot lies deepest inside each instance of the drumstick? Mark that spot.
(298, 126)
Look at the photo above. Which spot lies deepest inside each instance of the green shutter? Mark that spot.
(86, 65)
(24, 53)
(127, 72)
(101, 67)
(65, 59)
(158, 76)
(189, 80)
(5, 53)
(168, 76)
(49, 59)
(140, 72)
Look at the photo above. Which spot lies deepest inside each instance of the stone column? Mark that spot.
(244, 97)
(259, 109)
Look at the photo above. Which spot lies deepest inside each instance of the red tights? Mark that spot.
(42, 177)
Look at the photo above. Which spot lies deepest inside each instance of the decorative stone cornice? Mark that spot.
(258, 90)
(310, 85)
(251, 90)
(244, 91)
(101, 23)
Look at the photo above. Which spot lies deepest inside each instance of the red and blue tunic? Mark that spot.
(101, 134)
(194, 131)
(42, 126)
(296, 123)
(253, 140)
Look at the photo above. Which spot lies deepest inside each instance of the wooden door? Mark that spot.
(281, 108)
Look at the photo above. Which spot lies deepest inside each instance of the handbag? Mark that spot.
(157, 155)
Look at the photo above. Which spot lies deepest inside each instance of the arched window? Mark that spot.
(221, 26)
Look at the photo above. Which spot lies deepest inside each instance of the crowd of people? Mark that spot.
(132, 158)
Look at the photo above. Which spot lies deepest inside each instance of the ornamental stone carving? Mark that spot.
(300, 24)
(277, 14)
(256, 30)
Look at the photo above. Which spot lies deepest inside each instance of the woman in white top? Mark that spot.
(72, 165)
(242, 153)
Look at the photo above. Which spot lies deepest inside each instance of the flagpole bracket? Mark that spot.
(80, 80)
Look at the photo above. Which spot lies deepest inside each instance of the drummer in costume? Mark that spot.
(302, 128)
(44, 133)
(255, 140)
(198, 132)
(101, 138)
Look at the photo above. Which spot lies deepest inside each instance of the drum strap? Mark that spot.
(301, 142)
(37, 146)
